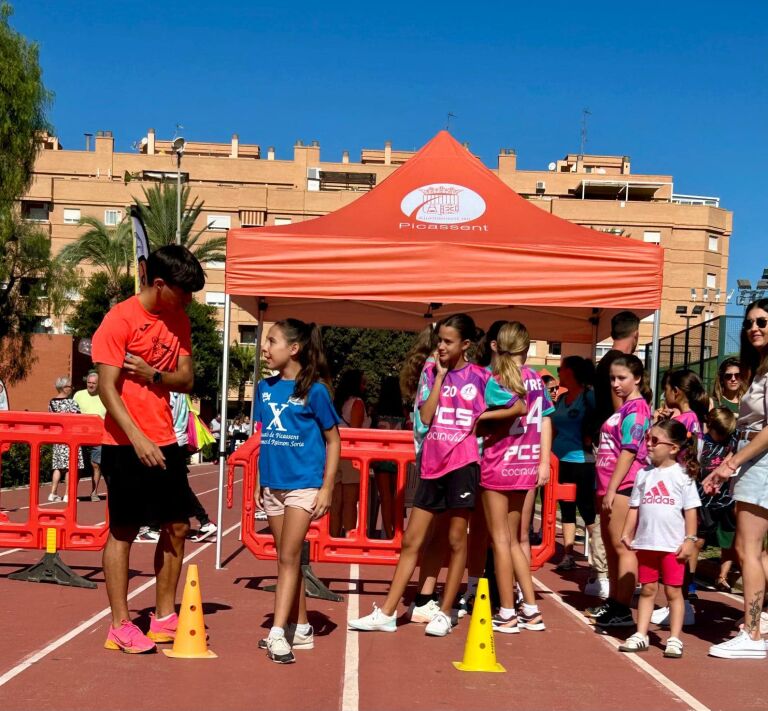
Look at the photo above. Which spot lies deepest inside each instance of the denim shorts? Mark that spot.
(751, 483)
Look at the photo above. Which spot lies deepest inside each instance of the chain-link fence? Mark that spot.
(701, 348)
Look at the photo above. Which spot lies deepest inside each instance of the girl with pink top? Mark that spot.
(515, 461)
(453, 396)
(617, 465)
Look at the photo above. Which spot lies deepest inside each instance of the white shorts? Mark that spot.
(275, 500)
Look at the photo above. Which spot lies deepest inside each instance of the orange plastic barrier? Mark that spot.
(364, 447)
(42, 428)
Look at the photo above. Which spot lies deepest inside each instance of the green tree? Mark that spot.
(376, 352)
(158, 213)
(23, 103)
(96, 299)
(206, 349)
(110, 249)
(241, 363)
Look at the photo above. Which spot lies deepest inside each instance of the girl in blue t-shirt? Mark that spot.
(298, 459)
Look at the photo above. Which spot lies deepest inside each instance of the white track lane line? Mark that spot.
(350, 698)
(53, 646)
(13, 550)
(691, 701)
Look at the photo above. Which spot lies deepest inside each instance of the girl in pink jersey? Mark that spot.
(453, 395)
(617, 465)
(515, 461)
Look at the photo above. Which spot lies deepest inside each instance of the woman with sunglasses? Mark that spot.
(729, 386)
(750, 468)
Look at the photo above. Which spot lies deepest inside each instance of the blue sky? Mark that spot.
(681, 89)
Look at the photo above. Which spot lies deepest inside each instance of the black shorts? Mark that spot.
(454, 490)
(138, 495)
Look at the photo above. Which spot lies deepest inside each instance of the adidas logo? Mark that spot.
(658, 495)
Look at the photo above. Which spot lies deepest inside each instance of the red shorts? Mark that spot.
(651, 564)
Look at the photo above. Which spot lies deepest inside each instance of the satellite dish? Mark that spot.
(552, 166)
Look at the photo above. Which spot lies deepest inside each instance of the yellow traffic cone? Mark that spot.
(190, 642)
(479, 651)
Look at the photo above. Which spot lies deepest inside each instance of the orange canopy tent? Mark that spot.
(441, 235)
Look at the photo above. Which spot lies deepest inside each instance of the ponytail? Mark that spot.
(512, 341)
(687, 442)
(311, 356)
(690, 385)
(635, 366)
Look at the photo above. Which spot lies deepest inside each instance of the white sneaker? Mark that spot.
(742, 646)
(54, 498)
(207, 529)
(599, 587)
(377, 621)
(279, 651)
(439, 626)
(424, 613)
(260, 515)
(661, 616)
(763, 623)
(66, 498)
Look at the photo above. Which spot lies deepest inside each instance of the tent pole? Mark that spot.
(655, 352)
(223, 438)
(595, 320)
(257, 359)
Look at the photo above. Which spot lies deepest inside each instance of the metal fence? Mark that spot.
(701, 348)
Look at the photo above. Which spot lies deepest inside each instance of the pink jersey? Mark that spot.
(511, 462)
(623, 431)
(450, 444)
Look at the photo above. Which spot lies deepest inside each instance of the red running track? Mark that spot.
(52, 655)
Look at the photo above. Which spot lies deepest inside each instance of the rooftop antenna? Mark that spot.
(179, 127)
(584, 113)
(448, 122)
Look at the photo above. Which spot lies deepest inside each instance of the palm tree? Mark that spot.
(159, 216)
(108, 248)
(241, 362)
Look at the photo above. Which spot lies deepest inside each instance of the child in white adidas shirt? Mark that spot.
(661, 528)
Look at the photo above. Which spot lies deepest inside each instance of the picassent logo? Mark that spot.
(443, 204)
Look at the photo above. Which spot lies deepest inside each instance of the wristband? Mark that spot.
(690, 538)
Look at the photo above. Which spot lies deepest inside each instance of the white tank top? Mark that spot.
(346, 413)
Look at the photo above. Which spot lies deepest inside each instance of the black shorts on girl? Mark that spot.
(454, 490)
(138, 495)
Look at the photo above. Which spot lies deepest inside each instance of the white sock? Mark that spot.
(530, 609)
(304, 628)
(276, 632)
(507, 612)
(163, 619)
(472, 585)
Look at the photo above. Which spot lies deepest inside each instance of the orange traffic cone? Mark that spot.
(479, 651)
(190, 642)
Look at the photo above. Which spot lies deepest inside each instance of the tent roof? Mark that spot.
(446, 231)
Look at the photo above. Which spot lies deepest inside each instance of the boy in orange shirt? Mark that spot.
(143, 352)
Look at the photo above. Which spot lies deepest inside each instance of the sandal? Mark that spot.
(722, 585)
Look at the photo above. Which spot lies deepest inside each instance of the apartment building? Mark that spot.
(242, 185)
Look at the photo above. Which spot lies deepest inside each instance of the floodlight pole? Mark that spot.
(178, 198)
(655, 353)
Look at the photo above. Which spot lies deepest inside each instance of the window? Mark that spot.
(532, 349)
(112, 217)
(555, 348)
(282, 221)
(219, 222)
(711, 281)
(652, 237)
(71, 216)
(714, 243)
(35, 211)
(248, 335)
(215, 298)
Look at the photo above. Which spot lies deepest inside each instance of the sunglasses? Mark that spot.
(731, 376)
(653, 440)
(761, 322)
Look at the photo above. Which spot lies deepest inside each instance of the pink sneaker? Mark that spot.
(162, 630)
(129, 639)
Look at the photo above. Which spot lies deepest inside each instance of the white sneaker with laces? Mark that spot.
(661, 616)
(377, 621)
(54, 498)
(742, 646)
(599, 587)
(439, 626)
(424, 613)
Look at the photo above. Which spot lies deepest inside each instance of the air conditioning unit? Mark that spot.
(541, 186)
(313, 173)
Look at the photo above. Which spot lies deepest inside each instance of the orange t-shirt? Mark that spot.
(157, 338)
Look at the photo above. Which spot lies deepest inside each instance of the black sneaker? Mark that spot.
(279, 651)
(597, 610)
(616, 615)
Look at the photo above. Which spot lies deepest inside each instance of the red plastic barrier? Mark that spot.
(364, 447)
(42, 428)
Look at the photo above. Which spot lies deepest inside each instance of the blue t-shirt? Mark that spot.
(568, 421)
(292, 454)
